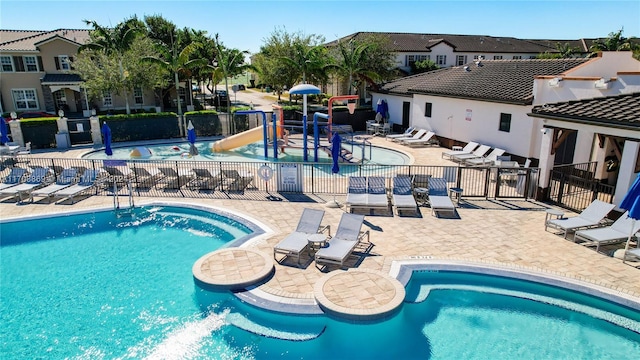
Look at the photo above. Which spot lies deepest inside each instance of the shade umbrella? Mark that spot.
(383, 109)
(336, 150)
(631, 203)
(191, 136)
(106, 132)
(304, 90)
(4, 136)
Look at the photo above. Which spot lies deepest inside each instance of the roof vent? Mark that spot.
(466, 68)
(601, 84)
(479, 62)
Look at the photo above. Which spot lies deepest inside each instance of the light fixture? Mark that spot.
(544, 131)
(601, 84)
(61, 113)
(555, 82)
(13, 116)
(93, 112)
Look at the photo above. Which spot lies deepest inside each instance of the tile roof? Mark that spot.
(621, 110)
(494, 80)
(26, 41)
(409, 42)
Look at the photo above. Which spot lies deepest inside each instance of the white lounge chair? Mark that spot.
(407, 133)
(439, 199)
(356, 193)
(467, 149)
(420, 133)
(616, 233)
(174, 179)
(377, 198)
(205, 180)
(298, 241)
(145, 178)
(66, 178)
(88, 181)
(37, 178)
(344, 242)
(428, 139)
(486, 160)
(237, 180)
(403, 199)
(590, 217)
(14, 178)
(477, 153)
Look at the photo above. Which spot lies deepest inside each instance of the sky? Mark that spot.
(244, 24)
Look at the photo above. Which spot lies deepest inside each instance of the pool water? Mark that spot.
(251, 153)
(101, 286)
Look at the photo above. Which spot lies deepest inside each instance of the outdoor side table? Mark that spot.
(457, 193)
(421, 195)
(553, 212)
(316, 241)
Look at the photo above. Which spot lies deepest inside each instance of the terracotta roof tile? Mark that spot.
(616, 110)
(26, 41)
(496, 80)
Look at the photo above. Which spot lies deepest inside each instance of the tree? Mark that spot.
(231, 61)
(114, 43)
(352, 62)
(566, 51)
(424, 66)
(174, 52)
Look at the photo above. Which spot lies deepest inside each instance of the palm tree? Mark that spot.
(565, 50)
(175, 61)
(308, 60)
(231, 61)
(114, 43)
(614, 42)
(352, 63)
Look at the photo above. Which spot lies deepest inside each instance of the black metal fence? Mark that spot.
(252, 180)
(574, 186)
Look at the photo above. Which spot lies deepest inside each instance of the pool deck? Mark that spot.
(505, 233)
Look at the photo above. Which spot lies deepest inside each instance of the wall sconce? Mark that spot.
(93, 112)
(61, 113)
(555, 82)
(544, 131)
(14, 116)
(601, 84)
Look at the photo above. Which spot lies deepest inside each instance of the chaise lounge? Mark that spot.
(590, 217)
(297, 242)
(616, 233)
(438, 196)
(403, 199)
(344, 242)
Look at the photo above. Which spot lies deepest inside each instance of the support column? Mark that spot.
(626, 174)
(16, 132)
(546, 162)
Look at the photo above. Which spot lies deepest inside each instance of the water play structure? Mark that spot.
(275, 134)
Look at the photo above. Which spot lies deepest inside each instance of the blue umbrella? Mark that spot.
(106, 132)
(631, 203)
(4, 135)
(383, 109)
(191, 136)
(336, 150)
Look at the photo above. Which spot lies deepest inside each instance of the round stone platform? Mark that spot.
(233, 268)
(359, 294)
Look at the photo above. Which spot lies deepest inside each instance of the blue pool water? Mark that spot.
(99, 286)
(251, 153)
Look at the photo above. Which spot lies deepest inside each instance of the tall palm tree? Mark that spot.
(114, 43)
(231, 61)
(175, 61)
(565, 50)
(308, 60)
(352, 63)
(614, 42)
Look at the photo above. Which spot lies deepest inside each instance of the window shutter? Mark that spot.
(40, 67)
(71, 60)
(57, 62)
(17, 61)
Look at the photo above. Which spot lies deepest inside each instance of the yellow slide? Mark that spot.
(237, 140)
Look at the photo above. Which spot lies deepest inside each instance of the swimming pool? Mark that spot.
(95, 285)
(250, 153)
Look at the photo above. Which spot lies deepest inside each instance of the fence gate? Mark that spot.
(574, 186)
(79, 131)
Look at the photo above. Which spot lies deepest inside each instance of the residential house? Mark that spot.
(490, 101)
(36, 72)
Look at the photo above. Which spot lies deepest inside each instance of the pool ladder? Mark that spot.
(116, 200)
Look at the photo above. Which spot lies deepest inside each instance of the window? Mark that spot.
(517, 57)
(505, 122)
(107, 100)
(427, 109)
(461, 60)
(441, 59)
(532, 56)
(412, 59)
(60, 99)
(7, 64)
(30, 63)
(497, 57)
(137, 95)
(25, 99)
(63, 62)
